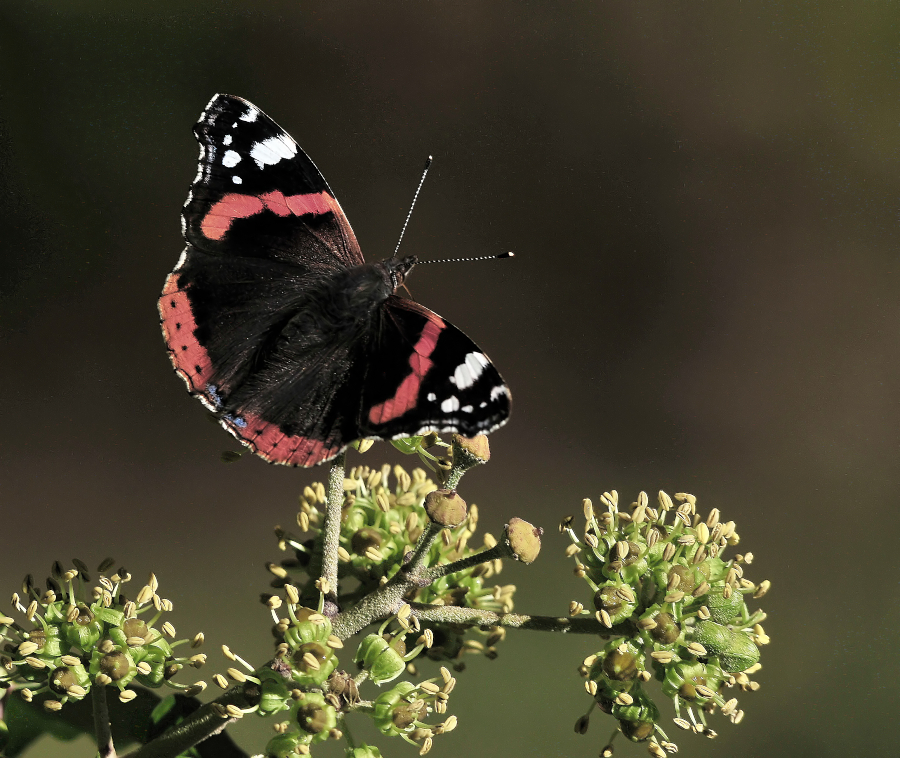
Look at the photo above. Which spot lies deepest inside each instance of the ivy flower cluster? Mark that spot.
(675, 608)
(305, 688)
(77, 636)
(383, 518)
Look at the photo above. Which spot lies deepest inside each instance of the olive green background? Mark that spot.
(703, 202)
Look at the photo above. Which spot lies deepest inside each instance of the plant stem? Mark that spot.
(201, 724)
(102, 729)
(451, 614)
(325, 558)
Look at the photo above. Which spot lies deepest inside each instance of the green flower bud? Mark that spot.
(363, 751)
(48, 640)
(85, 631)
(682, 679)
(316, 717)
(118, 665)
(312, 663)
(283, 745)
(642, 710)
(667, 630)
(741, 654)
(303, 630)
(392, 712)
(275, 696)
(381, 657)
(611, 598)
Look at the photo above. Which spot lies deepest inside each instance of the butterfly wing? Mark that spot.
(262, 227)
(257, 194)
(425, 375)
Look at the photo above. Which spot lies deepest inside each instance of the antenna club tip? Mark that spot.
(510, 254)
(428, 161)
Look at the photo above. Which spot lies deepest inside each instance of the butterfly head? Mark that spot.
(398, 269)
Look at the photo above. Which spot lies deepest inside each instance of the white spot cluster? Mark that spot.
(273, 149)
(467, 372)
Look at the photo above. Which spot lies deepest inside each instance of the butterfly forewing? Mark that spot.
(257, 194)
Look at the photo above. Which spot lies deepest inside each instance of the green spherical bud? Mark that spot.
(637, 731)
(621, 665)
(735, 650)
(609, 598)
(117, 665)
(445, 508)
(667, 629)
(315, 716)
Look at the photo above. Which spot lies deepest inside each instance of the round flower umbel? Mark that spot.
(384, 515)
(676, 609)
(84, 636)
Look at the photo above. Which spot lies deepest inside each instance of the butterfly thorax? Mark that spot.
(344, 302)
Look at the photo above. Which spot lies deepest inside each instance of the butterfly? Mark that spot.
(274, 320)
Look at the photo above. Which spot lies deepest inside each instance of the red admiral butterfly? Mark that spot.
(274, 320)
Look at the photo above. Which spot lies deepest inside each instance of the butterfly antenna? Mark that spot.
(463, 260)
(413, 205)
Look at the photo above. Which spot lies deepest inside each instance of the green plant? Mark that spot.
(388, 555)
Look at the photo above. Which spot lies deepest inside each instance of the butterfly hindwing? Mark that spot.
(426, 375)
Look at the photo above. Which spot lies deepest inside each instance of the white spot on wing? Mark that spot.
(231, 158)
(272, 150)
(250, 115)
(236, 179)
(467, 409)
(227, 140)
(450, 405)
(469, 370)
(432, 397)
(499, 392)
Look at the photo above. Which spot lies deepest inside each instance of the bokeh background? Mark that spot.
(703, 200)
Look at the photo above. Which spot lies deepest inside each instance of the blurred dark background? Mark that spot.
(703, 200)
